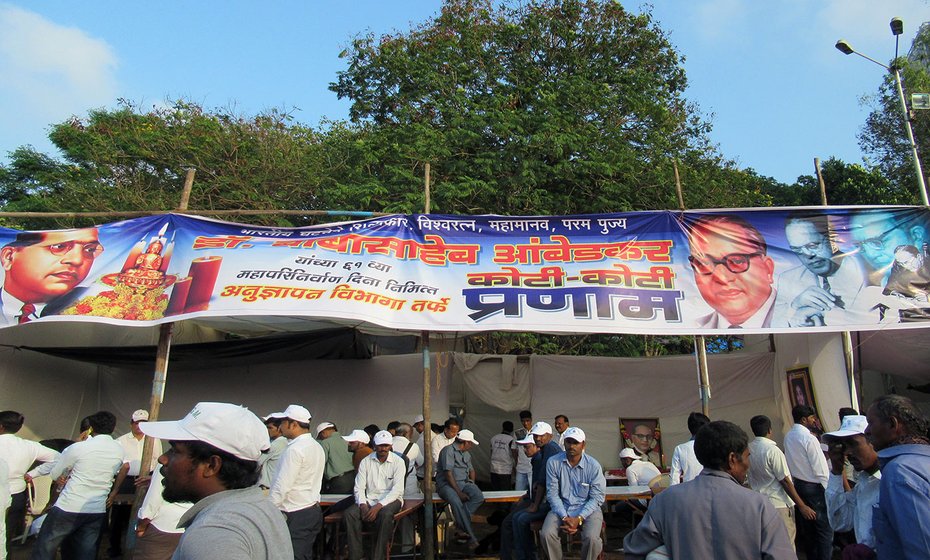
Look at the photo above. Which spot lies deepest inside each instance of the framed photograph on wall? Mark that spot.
(801, 390)
(645, 437)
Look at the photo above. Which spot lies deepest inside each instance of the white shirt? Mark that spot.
(806, 460)
(13, 308)
(299, 479)
(640, 472)
(5, 496)
(422, 456)
(132, 453)
(380, 483)
(269, 461)
(415, 458)
(93, 464)
(562, 440)
(436, 444)
(19, 455)
(523, 462)
(767, 468)
(853, 509)
(502, 461)
(685, 465)
(163, 515)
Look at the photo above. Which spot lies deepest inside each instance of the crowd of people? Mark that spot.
(233, 485)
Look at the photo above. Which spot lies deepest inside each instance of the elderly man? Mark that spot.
(76, 519)
(296, 487)
(41, 268)
(575, 490)
(379, 490)
(643, 441)
(898, 431)
(732, 271)
(768, 475)
(19, 455)
(561, 424)
(213, 463)
(808, 468)
(339, 476)
(850, 508)
(685, 465)
(731, 522)
(878, 233)
(455, 483)
(825, 285)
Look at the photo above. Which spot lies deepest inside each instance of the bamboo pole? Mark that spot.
(428, 518)
(847, 338)
(700, 345)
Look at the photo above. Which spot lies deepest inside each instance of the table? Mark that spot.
(613, 494)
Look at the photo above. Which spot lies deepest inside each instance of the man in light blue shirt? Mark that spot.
(898, 431)
(575, 489)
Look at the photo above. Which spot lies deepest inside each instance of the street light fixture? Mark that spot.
(897, 28)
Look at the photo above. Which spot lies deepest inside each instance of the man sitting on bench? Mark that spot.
(379, 491)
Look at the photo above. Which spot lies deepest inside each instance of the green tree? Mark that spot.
(133, 159)
(883, 137)
(545, 106)
(845, 184)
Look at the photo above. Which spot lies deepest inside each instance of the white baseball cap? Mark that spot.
(573, 433)
(140, 415)
(360, 436)
(297, 413)
(274, 416)
(322, 426)
(466, 435)
(852, 425)
(540, 428)
(384, 437)
(527, 440)
(418, 418)
(228, 427)
(627, 453)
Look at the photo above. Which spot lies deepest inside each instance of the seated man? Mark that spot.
(455, 483)
(379, 491)
(575, 490)
(638, 472)
(714, 515)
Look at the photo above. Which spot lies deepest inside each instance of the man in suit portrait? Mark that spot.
(733, 272)
(42, 267)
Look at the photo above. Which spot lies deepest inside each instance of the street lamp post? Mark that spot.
(897, 28)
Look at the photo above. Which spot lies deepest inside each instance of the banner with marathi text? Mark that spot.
(702, 272)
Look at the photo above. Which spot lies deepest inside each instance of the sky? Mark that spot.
(766, 74)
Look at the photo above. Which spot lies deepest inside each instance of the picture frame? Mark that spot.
(645, 437)
(801, 390)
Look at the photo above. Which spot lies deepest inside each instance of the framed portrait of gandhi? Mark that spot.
(801, 390)
(644, 436)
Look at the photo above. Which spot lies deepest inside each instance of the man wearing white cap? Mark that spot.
(213, 463)
(270, 460)
(339, 474)
(575, 490)
(455, 483)
(132, 443)
(526, 447)
(538, 509)
(419, 424)
(358, 442)
(379, 490)
(851, 508)
(638, 471)
(297, 485)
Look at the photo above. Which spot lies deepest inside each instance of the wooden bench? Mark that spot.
(409, 508)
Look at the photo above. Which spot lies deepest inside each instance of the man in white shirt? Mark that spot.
(419, 424)
(503, 458)
(851, 508)
(450, 429)
(269, 461)
(561, 424)
(296, 486)
(808, 467)
(76, 519)
(132, 444)
(403, 445)
(524, 466)
(379, 490)
(769, 475)
(638, 472)
(19, 455)
(685, 465)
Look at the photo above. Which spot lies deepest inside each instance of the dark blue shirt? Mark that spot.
(539, 461)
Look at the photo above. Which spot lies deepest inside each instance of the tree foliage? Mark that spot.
(883, 137)
(845, 184)
(547, 106)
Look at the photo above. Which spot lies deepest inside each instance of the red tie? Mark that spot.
(26, 313)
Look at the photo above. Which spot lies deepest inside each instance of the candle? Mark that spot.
(179, 292)
(203, 272)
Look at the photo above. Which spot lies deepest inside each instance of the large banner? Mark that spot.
(708, 272)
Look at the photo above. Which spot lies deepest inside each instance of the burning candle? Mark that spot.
(179, 293)
(203, 272)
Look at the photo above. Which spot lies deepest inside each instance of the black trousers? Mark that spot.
(15, 518)
(304, 525)
(816, 536)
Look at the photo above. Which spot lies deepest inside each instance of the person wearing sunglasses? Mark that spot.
(732, 271)
(42, 267)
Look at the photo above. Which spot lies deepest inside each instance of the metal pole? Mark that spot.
(910, 137)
